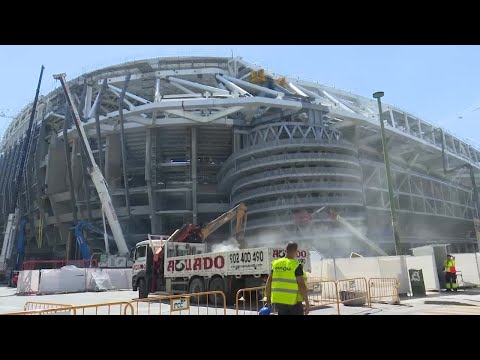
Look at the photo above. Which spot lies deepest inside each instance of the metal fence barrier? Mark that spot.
(383, 290)
(205, 302)
(112, 308)
(248, 301)
(322, 293)
(353, 292)
(68, 310)
(251, 299)
(36, 305)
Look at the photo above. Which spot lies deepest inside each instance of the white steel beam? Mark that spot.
(204, 103)
(205, 119)
(247, 84)
(130, 95)
(336, 101)
(158, 96)
(130, 105)
(163, 73)
(88, 101)
(234, 88)
(132, 126)
(197, 85)
(182, 88)
(296, 89)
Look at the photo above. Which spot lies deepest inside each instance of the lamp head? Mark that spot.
(378, 94)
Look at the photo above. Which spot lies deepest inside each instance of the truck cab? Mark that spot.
(149, 260)
(143, 260)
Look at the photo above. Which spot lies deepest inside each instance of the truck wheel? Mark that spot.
(196, 286)
(216, 284)
(142, 289)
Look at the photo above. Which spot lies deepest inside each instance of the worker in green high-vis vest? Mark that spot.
(286, 284)
(450, 273)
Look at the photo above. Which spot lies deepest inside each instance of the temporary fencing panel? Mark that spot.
(28, 282)
(204, 303)
(71, 279)
(383, 290)
(357, 268)
(57, 264)
(120, 278)
(67, 279)
(112, 308)
(249, 301)
(322, 293)
(353, 292)
(394, 267)
(36, 305)
(469, 266)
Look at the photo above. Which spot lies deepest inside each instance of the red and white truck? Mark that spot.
(180, 267)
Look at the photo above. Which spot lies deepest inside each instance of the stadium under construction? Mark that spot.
(182, 140)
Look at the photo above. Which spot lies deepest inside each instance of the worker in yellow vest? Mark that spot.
(450, 273)
(286, 286)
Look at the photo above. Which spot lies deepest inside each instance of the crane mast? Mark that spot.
(96, 175)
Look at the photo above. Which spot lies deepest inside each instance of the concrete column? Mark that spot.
(407, 124)
(420, 129)
(148, 178)
(236, 142)
(194, 174)
(113, 161)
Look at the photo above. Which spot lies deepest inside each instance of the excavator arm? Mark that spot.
(96, 175)
(239, 212)
(193, 233)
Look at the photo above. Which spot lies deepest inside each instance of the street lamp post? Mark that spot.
(378, 95)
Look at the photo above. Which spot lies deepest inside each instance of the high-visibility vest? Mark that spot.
(449, 266)
(284, 281)
(299, 295)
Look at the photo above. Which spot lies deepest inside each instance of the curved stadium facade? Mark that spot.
(203, 134)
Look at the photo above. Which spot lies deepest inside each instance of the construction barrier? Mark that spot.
(70, 279)
(383, 290)
(57, 264)
(353, 292)
(67, 310)
(322, 293)
(205, 302)
(253, 297)
(28, 282)
(113, 308)
(35, 305)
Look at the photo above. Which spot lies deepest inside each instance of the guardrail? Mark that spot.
(179, 304)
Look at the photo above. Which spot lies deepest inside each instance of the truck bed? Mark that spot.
(254, 261)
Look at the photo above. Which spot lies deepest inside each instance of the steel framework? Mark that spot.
(184, 139)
